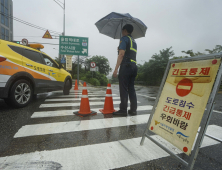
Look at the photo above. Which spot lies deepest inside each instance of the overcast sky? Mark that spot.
(182, 24)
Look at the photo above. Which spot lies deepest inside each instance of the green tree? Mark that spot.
(102, 62)
(94, 82)
(191, 53)
(217, 49)
(152, 71)
(101, 78)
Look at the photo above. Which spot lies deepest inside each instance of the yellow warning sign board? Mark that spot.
(47, 35)
(183, 101)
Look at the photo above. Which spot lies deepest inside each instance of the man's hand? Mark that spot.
(115, 73)
(119, 61)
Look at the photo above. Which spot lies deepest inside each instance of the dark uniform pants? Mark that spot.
(127, 75)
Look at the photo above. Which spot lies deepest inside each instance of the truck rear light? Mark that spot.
(2, 59)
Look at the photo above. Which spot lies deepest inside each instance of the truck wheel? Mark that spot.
(66, 87)
(20, 94)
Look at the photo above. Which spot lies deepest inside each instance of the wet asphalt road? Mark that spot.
(13, 120)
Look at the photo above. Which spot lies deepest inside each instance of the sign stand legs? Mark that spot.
(200, 138)
(147, 128)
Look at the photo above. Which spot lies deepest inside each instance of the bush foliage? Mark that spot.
(151, 72)
(95, 78)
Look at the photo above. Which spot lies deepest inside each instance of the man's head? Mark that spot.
(127, 29)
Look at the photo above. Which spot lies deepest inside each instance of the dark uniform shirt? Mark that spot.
(123, 43)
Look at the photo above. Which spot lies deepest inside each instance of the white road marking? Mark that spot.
(78, 99)
(89, 90)
(214, 131)
(75, 104)
(70, 112)
(91, 95)
(80, 92)
(217, 111)
(146, 96)
(73, 126)
(109, 155)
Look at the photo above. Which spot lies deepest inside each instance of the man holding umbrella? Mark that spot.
(111, 25)
(127, 72)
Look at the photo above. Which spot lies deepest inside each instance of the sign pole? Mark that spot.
(78, 71)
(64, 18)
(92, 65)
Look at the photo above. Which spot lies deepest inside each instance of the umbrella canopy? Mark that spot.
(111, 25)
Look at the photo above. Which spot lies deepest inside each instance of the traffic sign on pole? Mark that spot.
(93, 64)
(69, 62)
(63, 60)
(94, 69)
(69, 45)
(25, 41)
(47, 35)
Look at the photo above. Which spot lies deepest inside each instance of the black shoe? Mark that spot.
(130, 112)
(120, 113)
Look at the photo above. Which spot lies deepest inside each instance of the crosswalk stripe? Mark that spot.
(70, 112)
(145, 96)
(215, 131)
(88, 92)
(108, 155)
(75, 104)
(72, 126)
(77, 99)
(91, 95)
(217, 111)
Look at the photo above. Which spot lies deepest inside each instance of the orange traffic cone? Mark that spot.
(84, 105)
(108, 105)
(76, 85)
